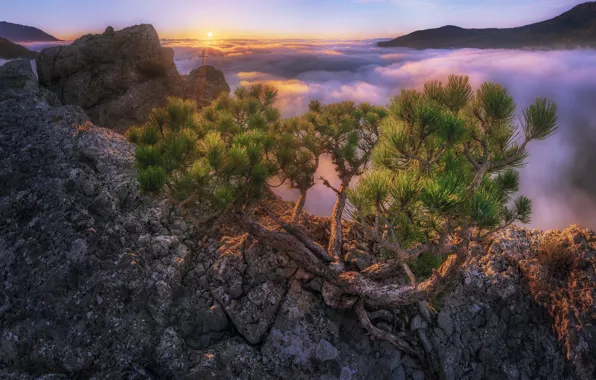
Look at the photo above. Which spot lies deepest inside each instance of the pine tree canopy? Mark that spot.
(431, 164)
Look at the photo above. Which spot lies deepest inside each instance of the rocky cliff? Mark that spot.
(118, 77)
(99, 281)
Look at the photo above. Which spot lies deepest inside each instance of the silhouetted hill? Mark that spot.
(576, 27)
(10, 50)
(22, 33)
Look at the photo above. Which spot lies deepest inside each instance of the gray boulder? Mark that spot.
(118, 77)
(205, 84)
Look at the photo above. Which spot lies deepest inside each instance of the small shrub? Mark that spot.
(556, 259)
(180, 113)
(133, 135)
(152, 179)
(149, 135)
(148, 156)
(423, 265)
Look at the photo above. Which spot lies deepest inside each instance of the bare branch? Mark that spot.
(438, 156)
(186, 201)
(297, 232)
(290, 245)
(356, 283)
(412, 156)
(409, 273)
(470, 158)
(328, 184)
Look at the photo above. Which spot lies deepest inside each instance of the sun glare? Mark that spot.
(210, 34)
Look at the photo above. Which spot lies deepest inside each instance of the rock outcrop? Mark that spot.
(118, 77)
(99, 281)
(204, 84)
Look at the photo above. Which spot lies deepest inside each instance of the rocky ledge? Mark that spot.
(98, 281)
(118, 77)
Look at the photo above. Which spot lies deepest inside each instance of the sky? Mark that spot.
(349, 19)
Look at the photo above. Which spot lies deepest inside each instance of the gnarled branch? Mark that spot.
(380, 334)
(328, 184)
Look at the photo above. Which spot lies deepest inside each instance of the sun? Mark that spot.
(210, 34)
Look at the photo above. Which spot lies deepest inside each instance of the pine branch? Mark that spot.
(329, 185)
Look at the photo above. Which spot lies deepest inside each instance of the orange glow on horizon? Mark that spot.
(227, 34)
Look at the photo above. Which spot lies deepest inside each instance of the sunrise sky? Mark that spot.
(344, 19)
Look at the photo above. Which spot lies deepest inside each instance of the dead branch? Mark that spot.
(297, 232)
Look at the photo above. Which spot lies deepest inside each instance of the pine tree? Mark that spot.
(349, 133)
(436, 174)
(300, 148)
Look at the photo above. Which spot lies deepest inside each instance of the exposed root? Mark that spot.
(380, 334)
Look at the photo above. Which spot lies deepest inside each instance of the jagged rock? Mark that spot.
(445, 323)
(325, 351)
(253, 310)
(489, 325)
(79, 290)
(417, 323)
(119, 77)
(205, 84)
(17, 80)
(568, 296)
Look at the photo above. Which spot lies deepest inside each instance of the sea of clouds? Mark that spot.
(560, 177)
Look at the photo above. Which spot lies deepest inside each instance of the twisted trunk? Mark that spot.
(298, 207)
(336, 237)
(357, 284)
(342, 289)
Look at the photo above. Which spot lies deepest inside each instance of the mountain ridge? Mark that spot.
(10, 50)
(24, 33)
(573, 28)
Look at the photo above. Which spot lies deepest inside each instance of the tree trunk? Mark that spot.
(361, 285)
(298, 207)
(336, 237)
(479, 176)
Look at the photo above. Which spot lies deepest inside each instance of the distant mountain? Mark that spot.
(10, 50)
(574, 28)
(22, 33)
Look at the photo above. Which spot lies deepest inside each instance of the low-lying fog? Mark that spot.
(559, 176)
